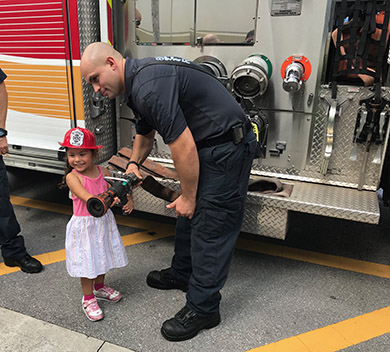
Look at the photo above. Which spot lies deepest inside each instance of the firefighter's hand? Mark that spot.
(129, 206)
(132, 168)
(184, 206)
(3, 146)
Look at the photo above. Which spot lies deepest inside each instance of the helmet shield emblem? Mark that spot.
(76, 138)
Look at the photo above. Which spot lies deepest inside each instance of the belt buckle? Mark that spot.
(238, 133)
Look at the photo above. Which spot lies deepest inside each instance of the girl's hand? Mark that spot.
(115, 202)
(129, 206)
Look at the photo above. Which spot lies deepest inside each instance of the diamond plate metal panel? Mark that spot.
(144, 201)
(258, 219)
(266, 214)
(104, 125)
(332, 201)
(341, 171)
(265, 221)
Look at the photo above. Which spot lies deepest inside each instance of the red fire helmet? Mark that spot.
(80, 138)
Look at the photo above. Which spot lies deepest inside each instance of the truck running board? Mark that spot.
(266, 214)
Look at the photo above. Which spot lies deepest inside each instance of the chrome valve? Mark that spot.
(250, 78)
(293, 77)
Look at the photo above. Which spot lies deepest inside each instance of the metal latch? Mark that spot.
(98, 105)
(334, 110)
(279, 148)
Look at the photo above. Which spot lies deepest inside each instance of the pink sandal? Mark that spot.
(92, 309)
(107, 294)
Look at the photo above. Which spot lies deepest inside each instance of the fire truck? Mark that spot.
(311, 75)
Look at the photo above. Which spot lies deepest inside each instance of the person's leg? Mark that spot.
(216, 224)
(98, 282)
(13, 249)
(12, 245)
(87, 286)
(89, 303)
(181, 267)
(221, 201)
(177, 276)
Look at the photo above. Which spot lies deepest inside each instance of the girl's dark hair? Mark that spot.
(69, 168)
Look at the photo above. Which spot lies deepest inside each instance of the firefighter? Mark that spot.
(12, 246)
(210, 39)
(212, 146)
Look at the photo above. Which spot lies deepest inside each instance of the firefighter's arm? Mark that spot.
(3, 117)
(142, 146)
(76, 187)
(186, 160)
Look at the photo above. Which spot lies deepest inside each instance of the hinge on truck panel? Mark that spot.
(98, 105)
(371, 129)
(381, 134)
(334, 106)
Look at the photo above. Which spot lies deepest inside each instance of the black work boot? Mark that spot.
(186, 324)
(28, 264)
(164, 280)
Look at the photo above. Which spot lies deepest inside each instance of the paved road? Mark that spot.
(325, 288)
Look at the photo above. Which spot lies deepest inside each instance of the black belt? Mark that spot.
(236, 135)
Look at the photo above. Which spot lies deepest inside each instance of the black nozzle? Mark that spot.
(96, 207)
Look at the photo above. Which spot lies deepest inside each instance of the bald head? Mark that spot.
(211, 38)
(103, 67)
(138, 16)
(96, 53)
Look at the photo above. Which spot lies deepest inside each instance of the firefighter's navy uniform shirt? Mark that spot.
(169, 98)
(3, 76)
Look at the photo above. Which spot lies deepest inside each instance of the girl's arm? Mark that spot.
(76, 187)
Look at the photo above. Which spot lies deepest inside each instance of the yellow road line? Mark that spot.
(329, 260)
(159, 230)
(333, 261)
(335, 337)
(327, 339)
(66, 209)
(59, 256)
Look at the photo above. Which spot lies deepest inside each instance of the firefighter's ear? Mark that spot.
(110, 61)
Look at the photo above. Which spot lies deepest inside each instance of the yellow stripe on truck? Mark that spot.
(43, 90)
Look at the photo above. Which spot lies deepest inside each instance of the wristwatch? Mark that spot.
(3, 132)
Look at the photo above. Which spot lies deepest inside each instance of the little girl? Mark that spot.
(93, 245)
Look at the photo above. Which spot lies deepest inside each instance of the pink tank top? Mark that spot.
(93, 186)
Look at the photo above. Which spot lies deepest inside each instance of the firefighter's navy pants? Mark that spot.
(204, 245)
(11, 244)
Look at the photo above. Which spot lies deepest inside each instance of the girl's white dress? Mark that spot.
(93, 245)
